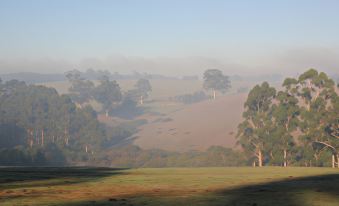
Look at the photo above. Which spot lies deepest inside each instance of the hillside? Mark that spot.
(195, 127)
(174, 126)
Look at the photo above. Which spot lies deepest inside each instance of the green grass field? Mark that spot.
(169, 186)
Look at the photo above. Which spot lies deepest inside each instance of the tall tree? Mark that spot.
(286, 113)
(107, 93)
(257, 127)
(315, 91)
(215, 80)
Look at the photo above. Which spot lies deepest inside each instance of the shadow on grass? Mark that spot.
(23, 177)
(304, 191)
(301, 191)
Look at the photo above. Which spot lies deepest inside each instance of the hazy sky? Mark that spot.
(170, 37)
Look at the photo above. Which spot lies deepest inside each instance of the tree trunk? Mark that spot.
(338, 160)
(253, 163)
(86, 148)
(42, 137)
(316, 157)
(285, 158)
(141, 100)
(31, 137)
(214, 94)
(333, 161)
(260, 158)
(66, 136)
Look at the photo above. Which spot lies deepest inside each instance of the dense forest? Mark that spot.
(38, 126)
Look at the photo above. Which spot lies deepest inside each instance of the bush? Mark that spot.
(191, 98)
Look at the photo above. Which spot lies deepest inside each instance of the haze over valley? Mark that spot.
(147, 103)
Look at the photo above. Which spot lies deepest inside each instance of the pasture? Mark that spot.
(169, 186)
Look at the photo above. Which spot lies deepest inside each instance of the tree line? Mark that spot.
(296, 125)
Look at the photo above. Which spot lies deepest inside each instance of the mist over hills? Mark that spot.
(175, 116)
(90, 74)
(31, 77)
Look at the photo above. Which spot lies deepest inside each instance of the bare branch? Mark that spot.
(327, 145)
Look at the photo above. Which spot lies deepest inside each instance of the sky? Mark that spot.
(172, 37)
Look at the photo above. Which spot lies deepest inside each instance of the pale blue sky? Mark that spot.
(238, 32)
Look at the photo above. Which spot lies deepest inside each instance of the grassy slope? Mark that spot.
(195, 126)
(170, 186)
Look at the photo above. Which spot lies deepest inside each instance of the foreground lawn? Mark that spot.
(169, 186)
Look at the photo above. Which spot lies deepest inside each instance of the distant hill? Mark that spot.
(32, 78)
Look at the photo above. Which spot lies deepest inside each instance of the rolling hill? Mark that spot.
(175, 126)
(195, 127)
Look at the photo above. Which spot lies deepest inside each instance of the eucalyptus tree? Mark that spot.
(333, 123)
(331, 134)
(286, 113)
(143, 87)
(107, 93)
(81, 89)
(256, 130)
(316, 92)
(215, 80)
(66, 110)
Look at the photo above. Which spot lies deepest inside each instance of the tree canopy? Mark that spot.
(107, 93)
(215, 80)
(142, 88)
(298, 125)
(36, 118)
